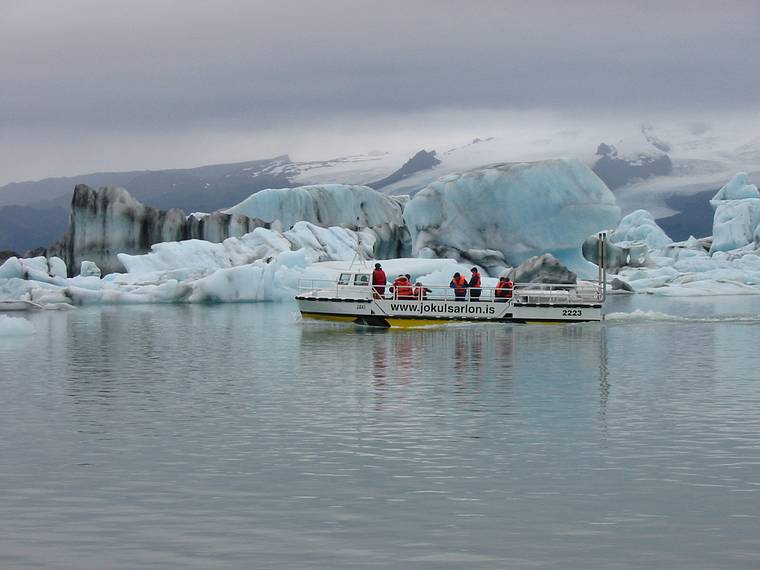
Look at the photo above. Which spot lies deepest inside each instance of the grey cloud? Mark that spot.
(93, 65)
(86, 61)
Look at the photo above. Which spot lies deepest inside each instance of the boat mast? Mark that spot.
(601, 249)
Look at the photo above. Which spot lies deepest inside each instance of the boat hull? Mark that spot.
(414, 313)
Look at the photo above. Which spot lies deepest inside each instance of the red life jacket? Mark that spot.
(420, 292)
(404, 289)
(475, 280)
(504, 289)
(460, 286)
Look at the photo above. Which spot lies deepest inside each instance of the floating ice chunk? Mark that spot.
(56, 267)
(738, 188)
(12, 269)
(89, 269)
(197, 258)
(52, 270)
(332, 243)
(639, 226)
(734, 224)
(276, 280)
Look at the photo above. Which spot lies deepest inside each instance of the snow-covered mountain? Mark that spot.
(669, 169)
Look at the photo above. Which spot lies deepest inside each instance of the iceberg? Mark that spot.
(263, 265)
(492, 217)
(738, 188)
(737, 215)
(735, 224)
(322, 204)
(728, 262)
(631, 243)
(193, 258)
(516, 211)
(108, 221)
(639, 226)
(89, 269)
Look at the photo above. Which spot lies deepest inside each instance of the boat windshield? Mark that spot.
(344, 279)
(361, 279)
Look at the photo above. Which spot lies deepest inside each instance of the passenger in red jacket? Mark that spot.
(378, 282)
(459, 284)
(420, 291)
(404, 288)
(503, 289)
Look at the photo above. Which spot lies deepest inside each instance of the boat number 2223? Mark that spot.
(571, 312)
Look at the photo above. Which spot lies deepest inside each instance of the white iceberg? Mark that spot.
(735, 224)
(518, 210)
(640, 226)
(738, 188)
(322, 204)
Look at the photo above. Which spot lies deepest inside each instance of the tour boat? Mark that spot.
(353, 298)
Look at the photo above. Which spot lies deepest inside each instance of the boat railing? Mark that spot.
(528, 293)
(331, 288)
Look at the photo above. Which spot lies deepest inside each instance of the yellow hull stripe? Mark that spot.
(334, 318)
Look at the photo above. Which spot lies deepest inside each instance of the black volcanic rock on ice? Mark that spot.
(109, 221)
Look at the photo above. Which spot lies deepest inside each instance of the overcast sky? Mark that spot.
(104, 85)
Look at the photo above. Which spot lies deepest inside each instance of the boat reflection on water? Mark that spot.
(479, 363)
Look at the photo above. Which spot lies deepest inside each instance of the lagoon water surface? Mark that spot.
(236, 436)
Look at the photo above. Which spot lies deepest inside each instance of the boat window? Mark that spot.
(361, 279)
(345, 279)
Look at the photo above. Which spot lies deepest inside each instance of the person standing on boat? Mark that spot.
(459, 284)
(474, 285)
(378, 281)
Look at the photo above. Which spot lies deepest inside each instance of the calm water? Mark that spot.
(238, 437)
